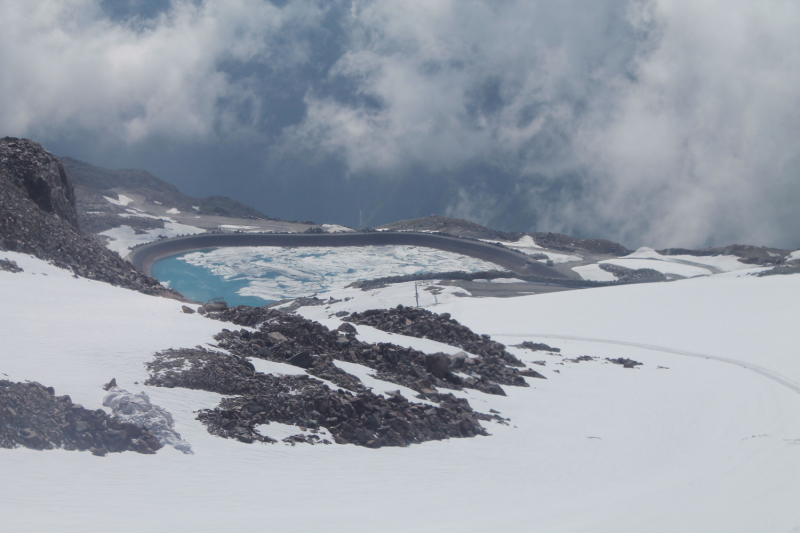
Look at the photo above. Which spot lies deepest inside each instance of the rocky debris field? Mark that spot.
(32, 416)
(537, 347)
(97, 222)
(631, 275)
(300, 342)
(556, 241)
(363, 419)
(624, 362)
(781, 270)
(10, 266)
(421, 323)
(38, 217)
(292, 339)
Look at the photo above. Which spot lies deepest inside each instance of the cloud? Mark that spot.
(658, 122)
(671, 121)
(67, 65)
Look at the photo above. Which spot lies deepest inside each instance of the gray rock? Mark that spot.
(136, 409)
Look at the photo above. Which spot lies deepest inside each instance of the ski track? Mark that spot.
(783, 380)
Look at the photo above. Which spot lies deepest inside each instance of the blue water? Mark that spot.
(268, 275)
(201, 284)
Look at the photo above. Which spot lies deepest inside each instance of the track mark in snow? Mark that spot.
(783, 380)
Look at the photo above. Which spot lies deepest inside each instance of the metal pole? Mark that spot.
(416, 292)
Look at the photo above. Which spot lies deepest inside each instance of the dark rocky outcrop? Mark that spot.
(537, 347)
(781, 270)
(556, 241)
(41, 220)
(96, 221)
(624, 362)
(10, 266)
(421, 323)
(363, 419)
(39, 176)
(284, 336)
(631, 275)
(32, 416)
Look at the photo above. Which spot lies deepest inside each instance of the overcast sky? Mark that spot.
(659, 123)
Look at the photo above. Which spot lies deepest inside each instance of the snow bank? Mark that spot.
(593, 272)
(665, 267)
(723, 263)
(137, 409)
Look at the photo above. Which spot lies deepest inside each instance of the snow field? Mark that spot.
(685, 266)
(702, 446)
(593, 272)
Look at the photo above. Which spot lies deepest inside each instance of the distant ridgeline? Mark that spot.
(89, 179)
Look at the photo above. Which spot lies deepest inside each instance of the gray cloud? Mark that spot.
(661, 122)
(680, 118)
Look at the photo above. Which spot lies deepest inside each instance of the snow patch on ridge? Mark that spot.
(124, 238)
(335, 228)
(122, 202)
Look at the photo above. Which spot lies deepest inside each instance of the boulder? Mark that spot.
(347, 328)
(303, 360)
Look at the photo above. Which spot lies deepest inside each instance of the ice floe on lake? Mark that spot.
(275, 273)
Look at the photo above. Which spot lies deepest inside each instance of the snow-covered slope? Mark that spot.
(703, 445)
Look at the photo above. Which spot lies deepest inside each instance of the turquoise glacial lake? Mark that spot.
(201, 284)
(260, 275)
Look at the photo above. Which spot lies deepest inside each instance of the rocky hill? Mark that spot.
(38, 216)
(749, 254)
(94, 182)
(465, 228)
(451, 226)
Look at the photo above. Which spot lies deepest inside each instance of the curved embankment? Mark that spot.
(144, 256)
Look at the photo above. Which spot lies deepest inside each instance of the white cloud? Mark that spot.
(682, 116)
(66, 65)
(658, 122)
